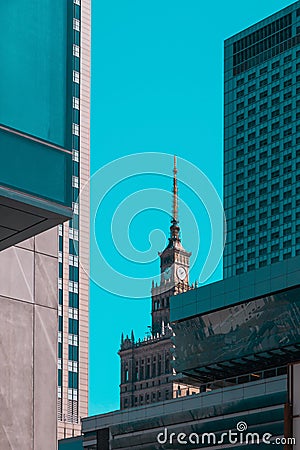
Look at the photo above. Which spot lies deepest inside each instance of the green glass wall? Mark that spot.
(35, 62)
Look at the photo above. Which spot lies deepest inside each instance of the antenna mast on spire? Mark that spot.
(174, 229)
(175, 194)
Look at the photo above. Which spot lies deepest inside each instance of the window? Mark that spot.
(75, 155)
(76, 50)
(263, 94)
(275, 113)
(275, 125)
(275, 64)
(263, 131)
(263, 155)
(240, 117)
(75, 129)
(76, 101)
(275, 89)
(263, 82)
(275, 150)
(76, 25)
(287, 108)
(275, 76)
(287, 71)
(288, 83)
(76, 76)
(263, 118)
(263, 107)
(287, 120)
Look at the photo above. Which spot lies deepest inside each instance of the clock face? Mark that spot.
(167, 273)
(181, 273)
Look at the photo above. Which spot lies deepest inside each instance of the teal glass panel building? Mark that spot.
(35, 84)
(262, 143)
(35, 118)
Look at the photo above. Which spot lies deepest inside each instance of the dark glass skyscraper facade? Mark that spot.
(262, 143)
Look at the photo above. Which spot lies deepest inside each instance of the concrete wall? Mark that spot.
(28, 344)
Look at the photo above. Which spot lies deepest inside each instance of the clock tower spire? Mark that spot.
(174, 267)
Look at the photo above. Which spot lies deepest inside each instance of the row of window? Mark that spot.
(264, 250)
(262, 57)
(261, 153)
(258, 264)
(272, 102)
(262, 33)
(263, 239)
(274, 90)
(269, 130)
(266, 226)
(155, 396)
(254, 123)
(264, 70)
(273, 138)
(262, 46)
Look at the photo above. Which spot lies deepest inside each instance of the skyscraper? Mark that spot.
(35, 196)
(262, 143)
(146, 371)
(73, 280)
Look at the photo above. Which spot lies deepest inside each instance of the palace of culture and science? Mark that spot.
(147, 375)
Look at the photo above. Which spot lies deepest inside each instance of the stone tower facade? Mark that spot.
(146, 371)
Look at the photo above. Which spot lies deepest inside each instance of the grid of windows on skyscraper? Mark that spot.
(262, 143)
(73, 251)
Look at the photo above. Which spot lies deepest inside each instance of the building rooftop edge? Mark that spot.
(255, 26)
(166, 407)
(237, 289)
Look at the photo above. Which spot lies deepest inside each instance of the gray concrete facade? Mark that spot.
(28, 344)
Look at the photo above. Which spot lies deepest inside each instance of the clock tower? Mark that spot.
(147, 375)
(174, 268)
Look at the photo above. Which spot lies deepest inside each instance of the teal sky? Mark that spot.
(157, 86)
